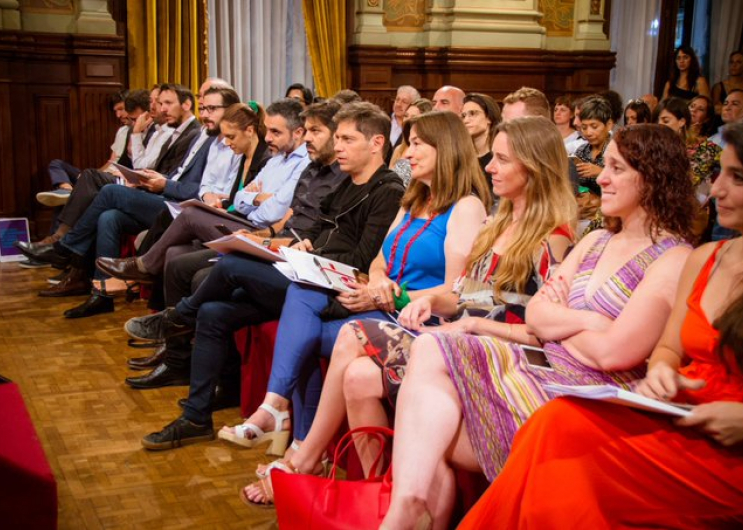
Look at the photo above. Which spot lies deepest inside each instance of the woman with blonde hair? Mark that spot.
(509, 261)
(467, 392)
(423, 253)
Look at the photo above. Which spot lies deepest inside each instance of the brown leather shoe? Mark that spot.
(76, 283)
(123, 269)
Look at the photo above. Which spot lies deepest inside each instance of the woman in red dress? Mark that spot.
(581, 464)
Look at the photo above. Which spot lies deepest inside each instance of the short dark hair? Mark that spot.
(324, 111)
(596, 108)
(183, 93)
(289, 109)
(306, 92)
(615, 102)
(369, 119)
(229, 96)
(118, 97)
(137, 99)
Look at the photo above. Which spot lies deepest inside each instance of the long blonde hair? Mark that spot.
(537, 145)
(458, 173)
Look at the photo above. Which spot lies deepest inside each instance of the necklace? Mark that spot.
(406, 251)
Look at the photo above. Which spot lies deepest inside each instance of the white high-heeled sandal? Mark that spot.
(279, 438)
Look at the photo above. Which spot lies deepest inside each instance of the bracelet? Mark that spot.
(272, 231)
(510, 332)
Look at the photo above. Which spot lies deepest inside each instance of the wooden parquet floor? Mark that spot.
(71, 374)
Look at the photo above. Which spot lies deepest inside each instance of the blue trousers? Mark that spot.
(116, 210)
(301, 337)
(239, 291)
(61, 172)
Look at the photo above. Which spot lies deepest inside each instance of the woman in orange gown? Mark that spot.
(583, 464)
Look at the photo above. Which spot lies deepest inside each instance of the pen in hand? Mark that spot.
(296, 236)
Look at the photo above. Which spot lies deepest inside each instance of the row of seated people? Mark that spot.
(431, 239)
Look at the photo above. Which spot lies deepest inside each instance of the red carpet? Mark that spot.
(28, 491)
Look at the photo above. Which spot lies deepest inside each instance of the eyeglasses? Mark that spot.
(470, 114)
(210, 108)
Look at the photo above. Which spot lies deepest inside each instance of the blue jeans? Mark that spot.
(302, 335)
(238, 292)
(139, 206)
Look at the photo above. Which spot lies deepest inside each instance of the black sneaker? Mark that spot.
(33, 264)
(177, 434)
(160, 326)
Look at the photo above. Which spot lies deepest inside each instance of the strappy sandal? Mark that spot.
(266, 490)
(266, 486)
(276, 464)
(279, 438)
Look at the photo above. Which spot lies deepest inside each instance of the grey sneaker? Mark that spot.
(53, 198)
(160, 326)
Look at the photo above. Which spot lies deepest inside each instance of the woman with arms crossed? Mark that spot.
(583, 464)
(467, 395)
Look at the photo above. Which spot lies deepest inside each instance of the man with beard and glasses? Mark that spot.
(242, 290)
(184, 271)
(176, 107)
(120, 210)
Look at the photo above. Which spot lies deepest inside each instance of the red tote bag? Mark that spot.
(308, 502)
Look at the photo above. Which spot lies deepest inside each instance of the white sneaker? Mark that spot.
(53, 198)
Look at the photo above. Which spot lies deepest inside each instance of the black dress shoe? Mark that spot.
(151, 361)
(124, 269)
(75, 283)
(161, 376)
(97, 304)
(177, 434)
(220, 401)
(55, 254)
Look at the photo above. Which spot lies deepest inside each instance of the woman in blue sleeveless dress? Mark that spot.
(424, 251)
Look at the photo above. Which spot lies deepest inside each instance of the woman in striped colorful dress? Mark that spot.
(599, 317)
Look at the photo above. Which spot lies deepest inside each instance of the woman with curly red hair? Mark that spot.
(581, 464)
(465, 395)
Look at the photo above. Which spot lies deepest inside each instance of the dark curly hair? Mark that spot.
(667, 194)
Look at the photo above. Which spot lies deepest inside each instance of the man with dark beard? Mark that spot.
(171, 364)
(119, 210)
